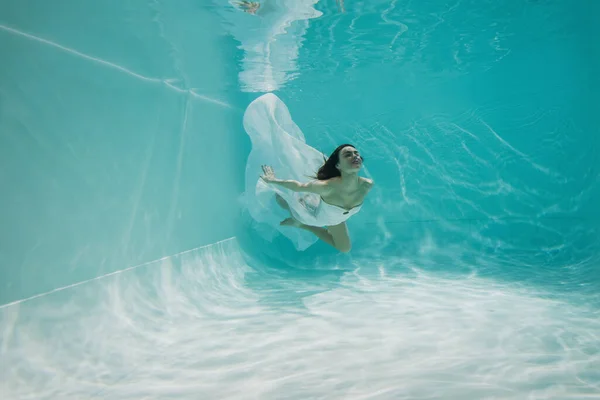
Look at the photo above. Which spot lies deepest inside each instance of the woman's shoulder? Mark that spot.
(366, 182)
(334, 182)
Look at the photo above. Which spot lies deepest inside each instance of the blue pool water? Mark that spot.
(130, 269)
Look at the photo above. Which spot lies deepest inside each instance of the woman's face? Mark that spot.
(350, 160)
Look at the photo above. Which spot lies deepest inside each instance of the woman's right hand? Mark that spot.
(268, 174)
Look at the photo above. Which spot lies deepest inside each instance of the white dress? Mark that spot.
(277, 141)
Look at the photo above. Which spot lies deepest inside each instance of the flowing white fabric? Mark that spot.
(277, 141)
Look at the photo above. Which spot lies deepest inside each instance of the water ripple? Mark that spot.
(194, 325)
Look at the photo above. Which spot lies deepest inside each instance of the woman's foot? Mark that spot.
(290, 222)
(251, 7)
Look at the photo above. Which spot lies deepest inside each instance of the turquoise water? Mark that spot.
(130, 270)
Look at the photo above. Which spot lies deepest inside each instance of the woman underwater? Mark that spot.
(320, 193)
(341, 193)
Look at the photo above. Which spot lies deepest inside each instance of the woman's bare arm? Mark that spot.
(318, 187)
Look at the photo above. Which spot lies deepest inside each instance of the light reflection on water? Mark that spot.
(281, 40)
(195, 325)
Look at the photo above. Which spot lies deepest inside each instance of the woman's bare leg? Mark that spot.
(336, 236)
(282, 203)
(321, 233)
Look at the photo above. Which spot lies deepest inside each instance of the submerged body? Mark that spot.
(339, 197)
(318, 205)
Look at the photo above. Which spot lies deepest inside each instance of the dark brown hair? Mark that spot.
(328, 170)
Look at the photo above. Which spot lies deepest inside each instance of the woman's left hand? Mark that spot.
(268, 174)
